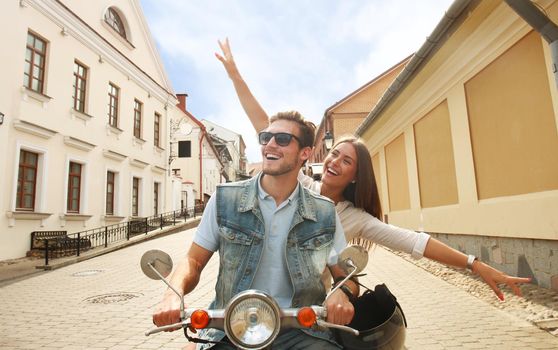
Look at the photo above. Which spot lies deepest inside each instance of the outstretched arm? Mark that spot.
(440, 252)
(251, 106)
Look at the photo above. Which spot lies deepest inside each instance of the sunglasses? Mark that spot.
(281, 138)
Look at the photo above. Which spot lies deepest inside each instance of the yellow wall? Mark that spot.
(435, 162)
(495, 76)
(398, 184)
(512, 124)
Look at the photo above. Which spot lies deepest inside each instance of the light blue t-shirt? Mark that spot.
(272, 275)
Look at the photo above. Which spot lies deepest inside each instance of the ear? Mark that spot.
(305, 153)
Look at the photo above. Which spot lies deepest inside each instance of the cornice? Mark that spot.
(79, 144)
(33, 129)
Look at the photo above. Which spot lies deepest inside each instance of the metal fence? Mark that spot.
(56, 244)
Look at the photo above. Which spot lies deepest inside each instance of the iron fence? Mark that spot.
(55, 244)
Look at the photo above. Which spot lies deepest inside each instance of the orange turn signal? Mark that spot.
(199, 319)
(306, 317)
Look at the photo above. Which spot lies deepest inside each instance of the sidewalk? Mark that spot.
(17, 269)
(106, 303)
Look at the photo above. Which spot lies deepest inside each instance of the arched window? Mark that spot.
(115, 22)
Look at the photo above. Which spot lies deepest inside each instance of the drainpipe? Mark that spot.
(201, 162)
(535, 17)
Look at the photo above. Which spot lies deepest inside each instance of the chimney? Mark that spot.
(182, 101)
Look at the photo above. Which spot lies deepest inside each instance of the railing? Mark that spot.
(56, 244)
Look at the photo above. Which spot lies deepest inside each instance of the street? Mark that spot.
(106, 303)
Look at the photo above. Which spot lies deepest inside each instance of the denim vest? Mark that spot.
(242, 233)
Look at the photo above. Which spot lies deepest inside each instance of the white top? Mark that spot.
(358, 223)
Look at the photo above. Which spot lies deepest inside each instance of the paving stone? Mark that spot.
(440, 315)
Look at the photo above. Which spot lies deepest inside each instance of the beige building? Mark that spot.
(465, 147)
(345, 116)
(86, 105)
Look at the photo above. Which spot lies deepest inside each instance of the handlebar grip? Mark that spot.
(338, 326)
(155, 330)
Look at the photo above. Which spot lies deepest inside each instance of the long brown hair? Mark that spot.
(363, 193)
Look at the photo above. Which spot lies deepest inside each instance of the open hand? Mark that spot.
(227, 58)
(493, 277)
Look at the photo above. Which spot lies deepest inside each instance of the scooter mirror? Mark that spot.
(158, 260)
(355, 255)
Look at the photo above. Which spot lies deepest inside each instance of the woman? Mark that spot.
(348, 180)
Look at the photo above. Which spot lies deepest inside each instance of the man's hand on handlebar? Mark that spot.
(339, 309)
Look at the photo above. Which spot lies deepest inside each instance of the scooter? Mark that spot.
(252, 319)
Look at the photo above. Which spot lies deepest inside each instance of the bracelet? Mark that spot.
(345, 289)
(470, 260)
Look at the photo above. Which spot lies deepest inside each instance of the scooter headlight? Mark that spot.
(252, 320)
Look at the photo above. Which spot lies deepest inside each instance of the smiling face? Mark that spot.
(340, 165)
(280, 160)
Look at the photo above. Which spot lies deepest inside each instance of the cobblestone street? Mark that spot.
(106, 303)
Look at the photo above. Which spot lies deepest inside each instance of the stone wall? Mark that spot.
(535, 258)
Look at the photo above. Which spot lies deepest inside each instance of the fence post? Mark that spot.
(78, 243)
(106, 236)
(161, 221)
(174, 218)
(46, 252)
(146, 226)
(128, 226)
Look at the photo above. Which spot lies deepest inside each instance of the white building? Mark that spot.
(195, 160)
(86, 104)
(236, 147)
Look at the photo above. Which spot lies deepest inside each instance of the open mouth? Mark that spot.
(331, 171)
(271, 156)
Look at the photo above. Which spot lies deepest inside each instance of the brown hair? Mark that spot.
(307, 128)
(363, 193)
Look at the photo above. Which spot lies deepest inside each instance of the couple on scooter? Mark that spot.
(275, 235)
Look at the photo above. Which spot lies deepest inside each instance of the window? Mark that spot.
(113, 94)
(109, 205)
(137, 118)
(35, 57)
(80, 80)
(135, 196)
(112, 18)
(156, 130)
(74, 187)
(27, 180)
(184, 149)
(156, 198)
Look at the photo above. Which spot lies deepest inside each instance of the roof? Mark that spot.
(439, 36)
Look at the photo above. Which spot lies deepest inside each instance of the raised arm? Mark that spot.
(184, 279)
(255, 112)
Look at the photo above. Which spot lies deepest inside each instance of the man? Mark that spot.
(272, 234)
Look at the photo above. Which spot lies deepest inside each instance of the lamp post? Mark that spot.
(328, 140)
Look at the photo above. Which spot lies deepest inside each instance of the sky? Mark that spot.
(302, 55)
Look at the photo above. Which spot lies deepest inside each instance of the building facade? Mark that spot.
(343, 117)
(195, 159)
(235, 147)
(86, 105)
(465, 146)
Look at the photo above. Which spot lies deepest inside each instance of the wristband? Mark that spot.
(345, 289)
(470, 260)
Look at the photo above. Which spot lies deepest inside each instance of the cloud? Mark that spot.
(305, 55)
